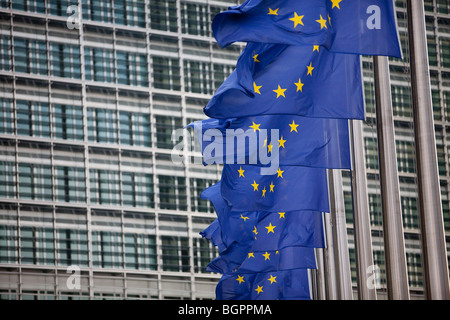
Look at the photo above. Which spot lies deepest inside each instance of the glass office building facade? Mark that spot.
(87, 113)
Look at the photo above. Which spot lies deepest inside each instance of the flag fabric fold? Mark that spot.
(245, 189)
(300, 80)
(299, 141)
(363, 27)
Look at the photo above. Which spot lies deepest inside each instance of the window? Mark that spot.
(65, 60)
(70, 184)
(102, 125)
(33, 118)
(37, 6)
(175, 254)
(105, 187)
(194, 19)
(137, 189)
(99, 64)
(140, 252)
(401, 101)
(204, 253)
(5, 53)
(135, 129)
(197, 77)
(30, 56)
(129, 12)
(196, 187)
(405, 156)
(36, 245)
(97, 10)
(107, 249)
(410, 213)
(164, 128)
(166, 73)
(35, 182)
(72, 247)
(59, 7)
(8, 244)
(7, 179)
(414, 265)
(132, 69)
(163, 15)
(371, 150)
(68, 122)
(376, 215)
(221, 72)
(443, 6)
(6, 116)
(432, 51)
(172, 193)
(445, 52)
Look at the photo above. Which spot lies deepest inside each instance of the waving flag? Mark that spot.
(299, 80)
(280, 285)
(366, 27)
(313, 142)
(291, 188)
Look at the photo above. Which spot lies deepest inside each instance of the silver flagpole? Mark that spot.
(431, 218)
(330, 261)
(361, 218)
(396, 270)
(339, 236)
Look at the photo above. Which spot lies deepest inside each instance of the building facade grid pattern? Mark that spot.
(86, 122)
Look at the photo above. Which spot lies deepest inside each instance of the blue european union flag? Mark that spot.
(291, 188)
(238, 258)
(314, 142)
(301, 80)
(350, 26)
(280, 285)
(262, 230)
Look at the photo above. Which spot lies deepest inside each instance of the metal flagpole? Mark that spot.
(431, 218)
(339, 236)
(396, 270)
(361, 219)
(330, 261)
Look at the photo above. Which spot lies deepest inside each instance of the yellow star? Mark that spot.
(256, 88)
(244, 218)
(329, 20)
(316, 48)
(323, 23)
(273, 12)
(299, 85)
(310, 69)
(264, 192)
(336, 4)
(255, 232)
(251, 255)
(282, 215)
(294, 126)
(241, 172)
(280, 92)
(271, 187)
(270, 228)
(297, 19)
(266, 256)
(255, 127)
(259, 289)
(281, 142)
(272, 279)
(255, 58)
(255, 186)
(269, 148)
(280, 173)
(241, 279)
